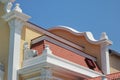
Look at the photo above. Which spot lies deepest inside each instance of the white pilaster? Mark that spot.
(105, 59)
(16, 21)
(46, 74)
(105, 64)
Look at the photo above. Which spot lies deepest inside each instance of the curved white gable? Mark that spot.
(88, 35)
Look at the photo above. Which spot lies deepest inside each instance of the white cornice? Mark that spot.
(16, 15)
(88, 35)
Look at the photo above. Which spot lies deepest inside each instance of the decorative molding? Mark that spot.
(88, 35)
(73, 48)
(16, 15)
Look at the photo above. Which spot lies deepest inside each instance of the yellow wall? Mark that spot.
(91, 49)
(28, 76)
(4, 41)
(27, 35)
(114, 63)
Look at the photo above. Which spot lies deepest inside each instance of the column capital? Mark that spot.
(104, 37)
(15, 15)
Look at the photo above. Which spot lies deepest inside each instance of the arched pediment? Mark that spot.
(88, 35)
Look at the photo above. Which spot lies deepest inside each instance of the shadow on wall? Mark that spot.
(90, 63)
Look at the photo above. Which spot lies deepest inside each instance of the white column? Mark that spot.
(105, 59)
(46, 74)
(105, 64)
(16, 21)
(14, 48)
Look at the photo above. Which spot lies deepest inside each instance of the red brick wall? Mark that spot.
(66, 54)
(38, 46)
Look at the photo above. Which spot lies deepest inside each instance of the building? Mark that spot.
(30, 52)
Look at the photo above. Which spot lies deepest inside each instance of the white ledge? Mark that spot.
(60, 62)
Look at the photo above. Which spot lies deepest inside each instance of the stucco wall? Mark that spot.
(114, 63)
(27, 35)
(4, 41)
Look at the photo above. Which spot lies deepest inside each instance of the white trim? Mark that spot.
(73, 48)
(88, 35)
(57, 61)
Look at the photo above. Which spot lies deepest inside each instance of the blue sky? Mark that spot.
(96, 16)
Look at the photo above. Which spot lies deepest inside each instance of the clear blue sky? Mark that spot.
(95, 16)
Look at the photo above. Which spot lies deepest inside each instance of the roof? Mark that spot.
(113, 52)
